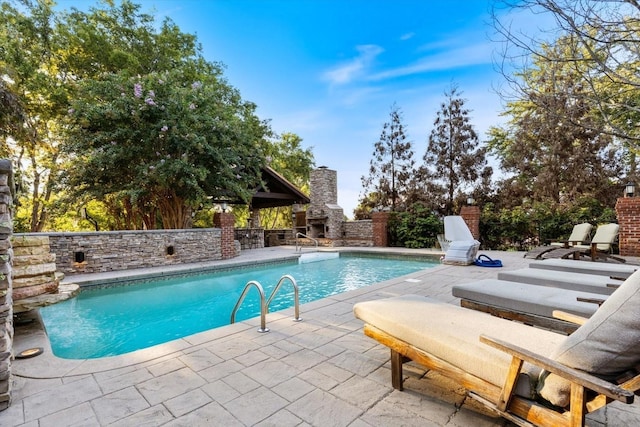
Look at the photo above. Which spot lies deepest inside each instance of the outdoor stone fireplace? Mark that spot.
(324, 216)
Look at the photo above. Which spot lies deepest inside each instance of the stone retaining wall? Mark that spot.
(6, 292)
(94, 252)
(353, 233)
(358, 233)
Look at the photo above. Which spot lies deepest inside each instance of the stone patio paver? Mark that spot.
(322, 371)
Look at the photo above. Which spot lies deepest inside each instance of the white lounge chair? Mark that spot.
(463, 247)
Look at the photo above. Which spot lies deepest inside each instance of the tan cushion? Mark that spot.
(607, 345)
(452, 334)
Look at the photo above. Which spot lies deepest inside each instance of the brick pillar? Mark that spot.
(628, 212)
(6, 288)
(471, 216)
(380, 221)
(225, 221)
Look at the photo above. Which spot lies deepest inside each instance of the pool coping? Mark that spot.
(33, 333)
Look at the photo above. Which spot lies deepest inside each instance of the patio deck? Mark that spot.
(321, 372)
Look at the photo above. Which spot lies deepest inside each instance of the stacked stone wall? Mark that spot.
(94, 252)
(34, 267)
(6, 289)
(358, 233)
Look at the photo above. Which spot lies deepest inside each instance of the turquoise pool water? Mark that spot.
(112, 321)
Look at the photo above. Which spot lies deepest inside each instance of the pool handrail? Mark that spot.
(299, 234)
(296, 317)
(263, 304)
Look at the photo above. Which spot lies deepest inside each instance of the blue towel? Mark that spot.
(484, 261)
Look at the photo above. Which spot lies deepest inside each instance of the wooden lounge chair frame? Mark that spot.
(520, 411)
(554, 324)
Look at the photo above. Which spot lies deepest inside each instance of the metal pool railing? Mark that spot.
(265, 302)
(306, 237)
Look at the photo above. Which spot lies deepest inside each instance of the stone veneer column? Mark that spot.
(33, 267)
(380, 222)
(471, 216)
(6, 298)
(225, 221)
(628, 212)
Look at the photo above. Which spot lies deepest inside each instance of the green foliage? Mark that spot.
(391, 168)
(454, 158)
(414, 228)
(287, 157)
(164, 139)
(532, 224)
(114, 146)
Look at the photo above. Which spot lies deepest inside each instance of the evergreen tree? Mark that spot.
(392, 165)
(454, 157)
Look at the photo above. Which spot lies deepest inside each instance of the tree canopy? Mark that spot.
(554, 141)
(164, 141)
(392, 165)
(130, 109)
(454, 157)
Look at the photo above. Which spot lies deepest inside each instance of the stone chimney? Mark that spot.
(324, 216)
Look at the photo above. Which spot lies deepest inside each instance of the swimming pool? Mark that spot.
(117, 320)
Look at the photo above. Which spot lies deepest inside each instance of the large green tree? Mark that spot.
(599, 41)
(454, 157)
(165, 142)
(49, 56)
(391, 168)
(28, 61)
(554, 141)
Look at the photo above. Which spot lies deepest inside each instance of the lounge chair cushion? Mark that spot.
(525, 298)
(607, 345)
(452, 333)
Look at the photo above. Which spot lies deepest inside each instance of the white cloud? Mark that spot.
(450, 59)
(407, 36)
(346, 72)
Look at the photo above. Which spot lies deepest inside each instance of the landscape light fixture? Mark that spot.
(630, 189)
(470, 201)
(224, 207)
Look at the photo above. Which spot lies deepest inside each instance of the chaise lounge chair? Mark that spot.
(462, 247)
(530, 376)
(599, 247)
(527, 303)
(582, 282)
(621, 271)
(579, 234)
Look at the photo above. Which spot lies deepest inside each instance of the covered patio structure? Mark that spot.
(276, 191)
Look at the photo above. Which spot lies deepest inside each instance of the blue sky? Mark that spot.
(330, 71)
